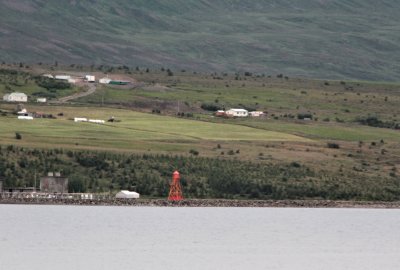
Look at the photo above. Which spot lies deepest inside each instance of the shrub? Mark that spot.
(295, 164)
(194, 152)
(210, 107)
(49, 83)
(76, 184)
(18, 136)
(333, 145)
(303, 116)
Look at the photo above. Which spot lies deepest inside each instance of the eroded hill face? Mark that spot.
(328, 39)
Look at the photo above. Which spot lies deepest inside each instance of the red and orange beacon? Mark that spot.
(175, 190)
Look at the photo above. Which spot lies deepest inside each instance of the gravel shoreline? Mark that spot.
(206, 203)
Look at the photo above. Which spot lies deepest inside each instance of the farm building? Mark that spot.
(48, 76)
(90, 78)
(256, 114)
(220, 113)
(105, 80)
(96, 121)
(237, 113)
(54, 183)
(125, 194)
(41, 100)
(63, 77)
(118, 82)
(25, 117)
(80, 119)
(15, 97)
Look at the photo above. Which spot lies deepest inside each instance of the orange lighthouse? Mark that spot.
(175, 190)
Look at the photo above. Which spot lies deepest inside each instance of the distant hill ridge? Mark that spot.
(353, 39)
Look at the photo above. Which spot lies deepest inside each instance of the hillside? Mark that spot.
(356, 39)
(318, 138)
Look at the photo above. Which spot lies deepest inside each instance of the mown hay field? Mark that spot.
(131, 129)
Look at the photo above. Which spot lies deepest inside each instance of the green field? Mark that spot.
(135, 131)
(335, 106)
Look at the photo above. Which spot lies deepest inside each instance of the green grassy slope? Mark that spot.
(335, 39)
(135, 131)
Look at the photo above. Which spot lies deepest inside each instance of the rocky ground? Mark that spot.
(206, 203)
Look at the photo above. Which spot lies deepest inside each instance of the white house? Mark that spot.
(256, 114)
(15, 97)
(237, 113)
(125, 194)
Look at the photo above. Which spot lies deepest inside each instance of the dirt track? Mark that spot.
(91, 90)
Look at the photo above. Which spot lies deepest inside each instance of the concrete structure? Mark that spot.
(41, 100)
(256, 114)
(125, 194)
(54, 183)
(15, 97)
(237, 113)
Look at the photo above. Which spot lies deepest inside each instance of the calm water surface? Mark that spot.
(75, 237)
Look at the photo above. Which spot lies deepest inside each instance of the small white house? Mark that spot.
(90, 78)
(237, 113)
(15, 97)
(105, 80)
(256, 114)
(41, 100)
(80, 119)
(125, 194)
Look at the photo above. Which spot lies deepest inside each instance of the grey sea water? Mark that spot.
(75, 237)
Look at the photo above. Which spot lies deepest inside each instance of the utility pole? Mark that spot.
(35, 181)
